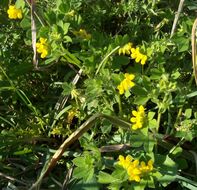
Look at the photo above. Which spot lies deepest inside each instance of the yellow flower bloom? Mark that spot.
(138, 118)
(71, 13)
(127, 83)
(139, 57)
(134, 172)
(126, 49)
(135, 169)
(42, 47)
(146, 168)
(83, 34)
(14, 13)
(125, 162)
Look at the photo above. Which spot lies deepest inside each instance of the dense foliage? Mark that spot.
(110, 83)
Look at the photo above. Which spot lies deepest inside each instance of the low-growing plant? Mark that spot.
(97, 95)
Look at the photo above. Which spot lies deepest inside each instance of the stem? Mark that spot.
(177, 145)
(120, 105)
(169, 122)
(158, 120)
(105, 59)
(177, 119)
(177, 15)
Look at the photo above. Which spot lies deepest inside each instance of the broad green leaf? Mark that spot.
(20, 4)
(86, 173)
(105, 178)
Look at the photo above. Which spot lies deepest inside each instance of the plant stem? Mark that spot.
(120, 105)
(158, 120)
(169, 122)
(177, 145)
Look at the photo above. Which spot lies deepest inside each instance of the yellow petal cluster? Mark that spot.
(42, 47)
(138, 56)
(71, 13)
(138, 118)
(126, 49)
(127, 83)
(133, 52)
(82, 34)
(135, 169)
(14, 13)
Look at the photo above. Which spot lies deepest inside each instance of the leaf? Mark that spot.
(79, 161)
(67, 88)
(86, 173)
(191, 95)
(168, 169)
(25, 23)
(20, 4)
(119, 61)
(141, 100)
(177, 151)
(151, 115)
(182, 43)
(136, 140)
(105, 178)
(188, 113)
(22, 152)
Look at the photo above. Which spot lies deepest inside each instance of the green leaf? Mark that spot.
(20, 4)
(177, 151)
(64, 7)
(151, 115)
(67, 88)
(25, 23)
(119, 61)
(85, 173)
(182, 43)
(168, 169)
(141, 100)
(105, 178)
(136, 140)
(188, 113)
(139, 91)
(191, 95)
(79, 161)
(22, 152)
(67, 39)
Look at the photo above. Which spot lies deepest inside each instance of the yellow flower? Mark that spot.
(14, 13)
(127, 83)
(135, 169)
(71, 13)
(138, 118)
(42, 47)
(125, 162)
(139, 57)
(146, 168)
(82, 34)
(126, 49)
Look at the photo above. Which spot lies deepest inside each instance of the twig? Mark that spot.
(177, 15)
(12, 179)
(193, 36)
(63, 99)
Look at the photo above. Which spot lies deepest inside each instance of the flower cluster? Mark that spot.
(71, 13)
(42, 47)
(135, 169)
(133, 52)
(138, 119)
(139, 57)
(126, 49)
(82, 34)
(14, 13)
(127, 83)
